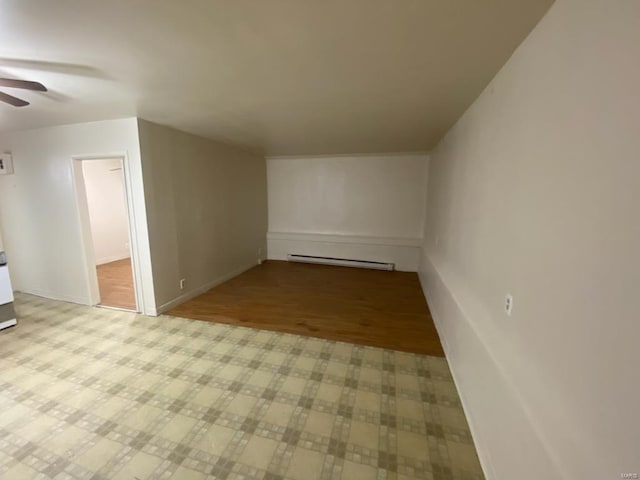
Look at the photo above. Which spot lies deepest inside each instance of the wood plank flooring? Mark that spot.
(368, 307)
(115, 280)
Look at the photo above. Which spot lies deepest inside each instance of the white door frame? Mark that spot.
(88, 254)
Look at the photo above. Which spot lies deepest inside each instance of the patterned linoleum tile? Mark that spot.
(95, 394)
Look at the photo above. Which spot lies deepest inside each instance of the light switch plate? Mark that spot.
(6, 164)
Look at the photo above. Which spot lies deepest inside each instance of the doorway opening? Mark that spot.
(106, 226)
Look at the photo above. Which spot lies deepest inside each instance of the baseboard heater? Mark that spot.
(340, 262)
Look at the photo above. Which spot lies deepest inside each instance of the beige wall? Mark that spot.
(207, 211)
(41, 227)
(367, 195)
(535, 192)
(107, 207)
(365, 207)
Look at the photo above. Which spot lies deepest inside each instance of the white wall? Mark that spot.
(40, 221)
(367, 207)
(207, 211)
(106, 201)
(535, 191)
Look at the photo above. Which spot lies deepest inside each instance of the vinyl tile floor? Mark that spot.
(88, 393)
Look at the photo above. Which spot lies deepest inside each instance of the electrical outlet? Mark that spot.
(183, 283)
(508, 304)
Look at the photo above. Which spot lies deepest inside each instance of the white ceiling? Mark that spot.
(275, 76)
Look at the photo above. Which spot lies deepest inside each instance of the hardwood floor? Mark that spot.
(368, 307)
(115, 280)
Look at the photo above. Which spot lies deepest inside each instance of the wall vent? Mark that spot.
(340, 262)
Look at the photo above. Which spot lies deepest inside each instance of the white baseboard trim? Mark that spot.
(8, 323)
(200, 290)
(483, 456)
(357, 239)
(55, 296)
(112, 258)
(487, 394)
(403, 252)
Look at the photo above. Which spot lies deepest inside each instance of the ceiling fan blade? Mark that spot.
(26, 84)
(11, 100)
(54, 67)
